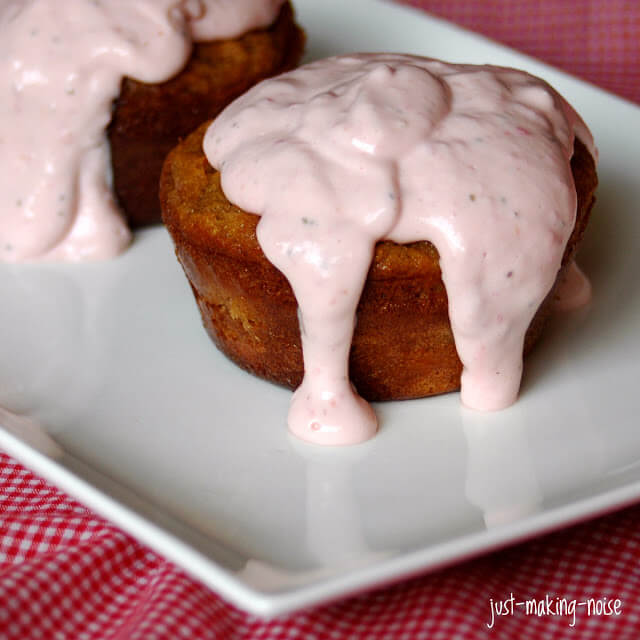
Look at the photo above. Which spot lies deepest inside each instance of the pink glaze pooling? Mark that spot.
(573, 290)
(344, 152)
(61, 69)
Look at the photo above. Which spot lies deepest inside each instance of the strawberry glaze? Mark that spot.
(61, 69)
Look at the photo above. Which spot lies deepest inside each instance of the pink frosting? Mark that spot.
(347, 151)
(222, 19)
(61, 70)
(573, 290)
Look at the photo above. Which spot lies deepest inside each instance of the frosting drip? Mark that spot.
(61, 71)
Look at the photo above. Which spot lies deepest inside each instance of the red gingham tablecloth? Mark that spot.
(66, 573)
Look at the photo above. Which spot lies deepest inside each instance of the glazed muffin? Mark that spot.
(149, 119)
(59, 158)
(402, 347)
(432, 206)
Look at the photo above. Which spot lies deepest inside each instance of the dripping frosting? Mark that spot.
(61, 72)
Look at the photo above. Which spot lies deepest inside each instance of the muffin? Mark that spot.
(63, 73)
(149, 119)
(403, 345)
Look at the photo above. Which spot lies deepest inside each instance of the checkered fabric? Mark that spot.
(597, 40)
(67, 574)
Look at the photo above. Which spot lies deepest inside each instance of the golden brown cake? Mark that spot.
(403, 345)
(149, 119)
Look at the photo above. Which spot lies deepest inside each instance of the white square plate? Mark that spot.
(125, 403)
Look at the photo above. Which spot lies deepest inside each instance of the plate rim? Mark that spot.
(268, 605)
